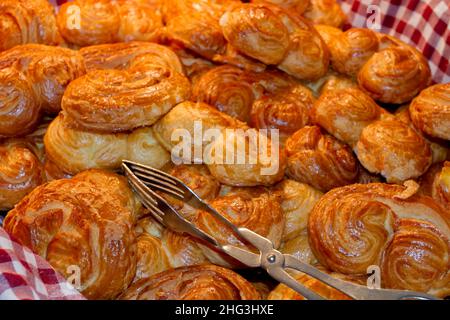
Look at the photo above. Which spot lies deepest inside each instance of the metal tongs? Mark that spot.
(146, 180)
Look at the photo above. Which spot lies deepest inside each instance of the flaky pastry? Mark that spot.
(326, 12)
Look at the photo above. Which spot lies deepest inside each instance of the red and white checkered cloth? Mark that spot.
(26, 276)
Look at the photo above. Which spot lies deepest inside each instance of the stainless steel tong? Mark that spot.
(146, 180)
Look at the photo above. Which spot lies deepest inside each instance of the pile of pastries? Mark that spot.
(361, 180)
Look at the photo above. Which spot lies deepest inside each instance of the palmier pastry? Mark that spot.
(298, 6)
(273, 36)
(345, 113)
(79, 226)
(320, 160)
(193, 65)
(204, 282)
(136, 95)
(430, 111)
(178, 129)
(246, 158)
(90, 22)
(20, 171)
(33, 78)
(326, 12)
(27, 21)
(405, 234)
(396, 73)
(74, 150)
(299, 247)
(256, 209)
(436, 183)
(394, 150)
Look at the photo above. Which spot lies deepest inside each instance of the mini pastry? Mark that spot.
(326, 12)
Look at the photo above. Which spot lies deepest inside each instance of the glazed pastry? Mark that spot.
(33, 78)
(328, 33)
(298, 199)
(123, 99)
(20, 171)
(204, 282)
(395, 74)
(320, 160)
(181, 122)
(76, 223)
(273, 36)
(253, 208)
(299, 247)
(430, 111)
(246, 158)
(394, 150)
(194, 66)
(405, 234)
(436, 183)
(27, 21)
(73, 150)
(345, 113)
(298, 6)
(326, 12)
(90, 22)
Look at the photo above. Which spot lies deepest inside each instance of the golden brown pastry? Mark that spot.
(137, 94)
(299, 247)
(27, 21)
(254, 208)
(394, 150)
(326, 12)
(33, 78)
(436, 183)
(405, 234)
(74, 150)
(345, 113)
(274, 36)
(396, 73)
(204, 282)
(246, 158)
(20, 171)
(90, 22)
(320, 160)
(298, 6)
(430, 111)
(181, 122)
(77, 223)
(193, 65)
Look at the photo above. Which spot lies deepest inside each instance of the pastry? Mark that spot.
(326, 12)
(89, 22)
(134, 95)
(320, 160)
(80, 225)
(204, 282)
(436, 184)
(33, 78)
(298, 6)
(394, 150)
(405, 234)
(27, 21)
(430, 111)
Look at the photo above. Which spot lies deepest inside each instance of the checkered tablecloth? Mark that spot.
(26, 276)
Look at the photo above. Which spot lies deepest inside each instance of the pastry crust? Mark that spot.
(394, 150)
(326, 12)
(27, 21)
(79, 224)
(320, 160)
(203, 282)
(430, 111)
(354, 227)
(90, 22)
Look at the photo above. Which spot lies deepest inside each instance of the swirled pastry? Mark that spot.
(395, 74)
(345, 113)
(326, 12)
(436, 183)
(298, 6)
(405, 234)
(27, 21)
(246, 158)
(430, 111)
(90, 22)
(74, 150)
(177, 129)
(193, 65)
(79, 226)
(256, 209)
(204, 282)
(394, 150)
(320, 160)
(20, 172)
(115, 100)
(33, 78)
(299, 247)
(273, 36)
